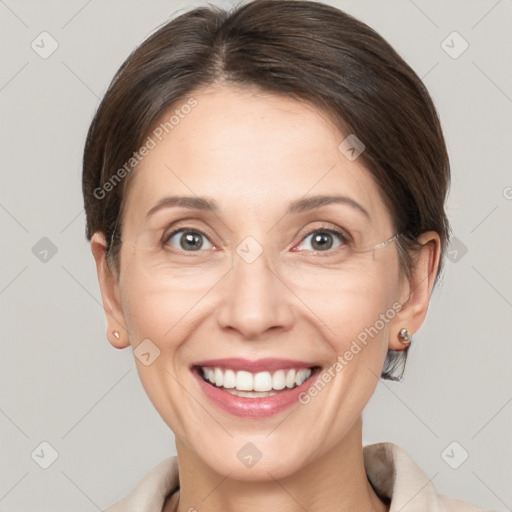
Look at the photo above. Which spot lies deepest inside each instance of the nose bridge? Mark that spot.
(255, 296)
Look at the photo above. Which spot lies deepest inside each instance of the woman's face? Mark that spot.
(254, 288)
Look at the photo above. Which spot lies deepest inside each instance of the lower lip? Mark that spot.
(263, 407)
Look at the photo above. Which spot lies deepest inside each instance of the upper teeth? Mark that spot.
(262, 381)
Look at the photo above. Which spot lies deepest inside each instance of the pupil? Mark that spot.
(320, 240)
(193, 239)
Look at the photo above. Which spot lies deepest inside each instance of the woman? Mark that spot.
(265, 192)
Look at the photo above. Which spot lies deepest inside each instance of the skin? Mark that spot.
(253, 153)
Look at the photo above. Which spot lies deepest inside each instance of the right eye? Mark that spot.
(186, 239)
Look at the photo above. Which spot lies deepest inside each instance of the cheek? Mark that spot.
(154, 308)
(353, 306)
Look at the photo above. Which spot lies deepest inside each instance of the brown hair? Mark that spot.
(305, 50)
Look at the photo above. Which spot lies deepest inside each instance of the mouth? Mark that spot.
(254, 388)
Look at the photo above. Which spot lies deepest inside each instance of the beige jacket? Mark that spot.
(391, 471)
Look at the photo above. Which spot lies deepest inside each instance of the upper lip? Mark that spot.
(254, 366)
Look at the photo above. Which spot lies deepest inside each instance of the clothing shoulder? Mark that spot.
(397, 478)
(447, 504)
(151, 491)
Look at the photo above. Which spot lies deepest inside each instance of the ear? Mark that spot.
(109, 288)
(417, 289)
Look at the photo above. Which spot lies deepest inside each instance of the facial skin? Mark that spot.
(254, 153)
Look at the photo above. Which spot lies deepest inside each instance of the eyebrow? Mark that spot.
(295, 207)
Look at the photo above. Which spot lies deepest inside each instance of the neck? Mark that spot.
(335, 481)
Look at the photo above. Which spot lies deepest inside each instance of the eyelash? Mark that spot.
(344, 238)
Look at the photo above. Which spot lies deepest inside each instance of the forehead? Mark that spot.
(253, 151)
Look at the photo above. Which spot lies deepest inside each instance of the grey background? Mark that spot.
(61, 381)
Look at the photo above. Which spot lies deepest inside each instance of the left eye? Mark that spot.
(322, 239)
(189, 240)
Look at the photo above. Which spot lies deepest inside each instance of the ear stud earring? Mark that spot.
(116, 334)
(404, 336)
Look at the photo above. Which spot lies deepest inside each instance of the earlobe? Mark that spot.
(420, 285)
(117, 334)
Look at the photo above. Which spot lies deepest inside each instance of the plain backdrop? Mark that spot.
(61, 381)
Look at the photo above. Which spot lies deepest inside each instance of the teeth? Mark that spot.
(302, 375)
(218, 377)
(229, 379)
(279, 380)
(244, 381)
(290, 379)
(262, 382)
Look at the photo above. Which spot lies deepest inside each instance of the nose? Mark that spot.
(256, 299)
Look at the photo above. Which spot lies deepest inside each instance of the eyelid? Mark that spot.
(329, 228)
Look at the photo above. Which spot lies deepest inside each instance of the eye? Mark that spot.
(322, 239)
(188, 240)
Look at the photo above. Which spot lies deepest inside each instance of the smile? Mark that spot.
(255, 389)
